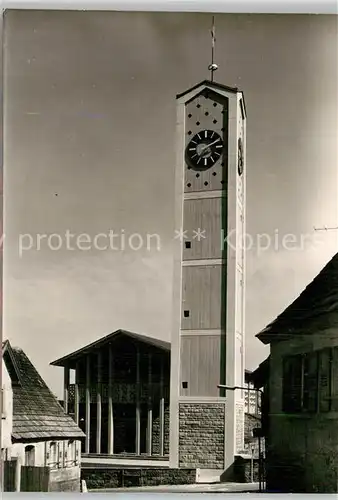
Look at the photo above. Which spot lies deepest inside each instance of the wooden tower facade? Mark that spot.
(206, 423)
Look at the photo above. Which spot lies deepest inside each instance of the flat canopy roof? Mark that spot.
(159, 344)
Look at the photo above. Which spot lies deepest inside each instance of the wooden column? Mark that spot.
(98, 403)
(110, 403)
(76, 394)
(87, 447)
(65, 388)
(138, 406)
(162, 410)
(150, 409)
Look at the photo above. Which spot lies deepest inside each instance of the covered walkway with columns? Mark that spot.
(117, 390)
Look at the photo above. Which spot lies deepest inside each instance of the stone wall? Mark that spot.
(116, 478)
(240, 427)
(201, 435)
(156, 431)
(62, 480)
(302, 455)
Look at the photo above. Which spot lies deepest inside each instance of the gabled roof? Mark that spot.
(111, 337)
(37, 415)
(213, 86)
(315, 310)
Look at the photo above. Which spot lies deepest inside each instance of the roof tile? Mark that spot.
(36, 412)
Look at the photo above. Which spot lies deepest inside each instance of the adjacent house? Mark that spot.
(301, 377)
(40, 444)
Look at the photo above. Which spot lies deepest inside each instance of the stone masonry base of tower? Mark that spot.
(201, 435)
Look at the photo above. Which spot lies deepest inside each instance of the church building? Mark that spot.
(154, 403)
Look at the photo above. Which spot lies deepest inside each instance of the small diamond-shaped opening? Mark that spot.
(197, 175)
(189, 132)
(214, 121)
(189, 115)
(197, 123)
(189, 185)
(206, 183)
(214, 173)
(198, 105)
(206, 113)
(215, 104)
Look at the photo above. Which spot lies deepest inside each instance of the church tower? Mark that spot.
(206, 422)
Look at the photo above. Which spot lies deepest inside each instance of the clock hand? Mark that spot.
(209, 145)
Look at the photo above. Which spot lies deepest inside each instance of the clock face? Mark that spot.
(240, 156)
(204, 149)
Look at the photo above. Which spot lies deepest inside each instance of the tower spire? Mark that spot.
(212, 66)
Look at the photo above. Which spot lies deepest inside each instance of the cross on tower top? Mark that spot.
(212, 66)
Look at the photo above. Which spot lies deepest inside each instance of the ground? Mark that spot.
(190, 488)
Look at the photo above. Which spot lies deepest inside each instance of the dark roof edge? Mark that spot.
(106, 338)
(264, 337)
(52, 437)
(215, 85)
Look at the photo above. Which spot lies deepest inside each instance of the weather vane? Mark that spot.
(213, 66)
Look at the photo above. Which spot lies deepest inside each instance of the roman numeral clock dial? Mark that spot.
(204, 149)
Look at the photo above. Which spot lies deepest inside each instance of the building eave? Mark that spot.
(156, 343)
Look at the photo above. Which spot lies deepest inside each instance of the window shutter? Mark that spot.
(334, 400)
(310, 384)
(292, 384)
(325, 361)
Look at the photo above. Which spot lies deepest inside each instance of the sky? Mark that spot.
(89, 147)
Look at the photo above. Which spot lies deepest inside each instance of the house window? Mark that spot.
(30, 456)
(70, 457)
(307, 381)
(53, 455)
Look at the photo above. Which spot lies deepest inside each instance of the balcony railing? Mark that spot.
(121, 392)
